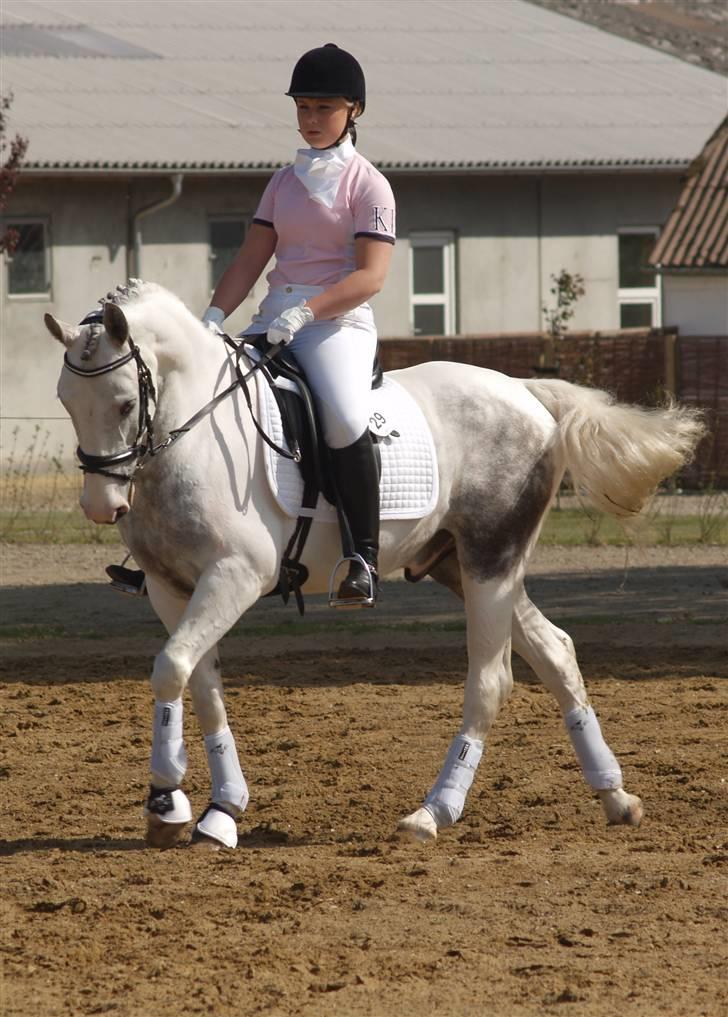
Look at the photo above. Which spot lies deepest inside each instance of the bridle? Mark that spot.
(147, 393)
(140, 451)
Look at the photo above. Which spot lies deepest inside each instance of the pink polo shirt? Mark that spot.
(315, 245)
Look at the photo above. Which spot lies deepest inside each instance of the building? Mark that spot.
(692, 252)
(518, 143)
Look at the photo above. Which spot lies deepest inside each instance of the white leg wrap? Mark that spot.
(600, 768)
(446, 800)
(228, 783)
(169, 758)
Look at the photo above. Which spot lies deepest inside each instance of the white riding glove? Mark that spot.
(213, 319)
(283, 328)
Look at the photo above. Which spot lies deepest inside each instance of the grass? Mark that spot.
(565, 527)
(39, 504)
(571, 527)
(54, 526)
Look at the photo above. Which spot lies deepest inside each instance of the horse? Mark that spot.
(200, 519)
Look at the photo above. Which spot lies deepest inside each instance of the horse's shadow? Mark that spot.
(262, 836)
(28, 845)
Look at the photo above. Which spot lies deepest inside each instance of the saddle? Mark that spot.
(304, 437)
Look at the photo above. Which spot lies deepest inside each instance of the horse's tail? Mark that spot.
(618, 454)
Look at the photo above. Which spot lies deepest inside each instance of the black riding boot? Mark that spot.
(127, 580)
(356, 474)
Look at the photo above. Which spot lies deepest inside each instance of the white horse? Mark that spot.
(201, 521)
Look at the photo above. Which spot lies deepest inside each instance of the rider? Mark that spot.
(329, 221)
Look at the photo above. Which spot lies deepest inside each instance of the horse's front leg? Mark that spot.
(488, 606)
(550, 652)
(222, 594)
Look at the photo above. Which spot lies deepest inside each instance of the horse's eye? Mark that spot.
(127, 407)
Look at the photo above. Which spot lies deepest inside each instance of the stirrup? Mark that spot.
(352, 602)
(131, 581)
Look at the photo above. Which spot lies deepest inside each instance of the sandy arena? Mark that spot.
(530, 906)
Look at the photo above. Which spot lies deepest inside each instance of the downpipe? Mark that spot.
(134, 244)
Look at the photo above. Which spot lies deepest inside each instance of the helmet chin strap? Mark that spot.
(348, 130)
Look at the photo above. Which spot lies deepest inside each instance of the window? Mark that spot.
(29, 264)
(226, 235)
(639, 284)
(432, 283)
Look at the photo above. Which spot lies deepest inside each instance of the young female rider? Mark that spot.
(329, 220)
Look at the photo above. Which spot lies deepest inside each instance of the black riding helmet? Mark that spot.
(328, 72)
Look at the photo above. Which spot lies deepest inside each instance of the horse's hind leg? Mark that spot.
(489, 607)
(550, 652)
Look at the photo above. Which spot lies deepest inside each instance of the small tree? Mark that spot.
(567, 289)
(9, 169)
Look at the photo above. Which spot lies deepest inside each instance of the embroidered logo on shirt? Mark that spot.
(382, 219)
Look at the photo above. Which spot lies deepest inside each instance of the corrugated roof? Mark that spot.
(696, 234)
(452, 84)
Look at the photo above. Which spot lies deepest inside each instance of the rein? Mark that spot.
(140, 452)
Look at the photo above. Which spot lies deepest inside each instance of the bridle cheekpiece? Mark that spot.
(147, 393)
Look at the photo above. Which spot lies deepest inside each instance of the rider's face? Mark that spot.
(322, 121)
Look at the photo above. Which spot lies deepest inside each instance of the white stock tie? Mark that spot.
(320, 170)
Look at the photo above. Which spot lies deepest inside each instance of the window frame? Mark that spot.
(652, 295)
(12, 221)
(243, 217)
(445, 239)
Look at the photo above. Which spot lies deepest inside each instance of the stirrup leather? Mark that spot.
(367, 600)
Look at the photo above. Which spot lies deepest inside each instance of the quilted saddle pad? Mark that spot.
(409, 483)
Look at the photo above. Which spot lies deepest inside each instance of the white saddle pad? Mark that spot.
(409, 482)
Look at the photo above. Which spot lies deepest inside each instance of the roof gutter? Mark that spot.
(717, 270)
(134, 246)
(454, 169)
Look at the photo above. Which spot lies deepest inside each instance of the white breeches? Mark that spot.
(336, 355)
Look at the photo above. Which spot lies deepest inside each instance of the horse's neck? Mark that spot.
(192, 368)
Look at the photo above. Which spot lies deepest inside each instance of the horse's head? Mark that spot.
(100, 388)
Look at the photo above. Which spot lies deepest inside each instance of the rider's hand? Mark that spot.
(213, 319)
(283, 328)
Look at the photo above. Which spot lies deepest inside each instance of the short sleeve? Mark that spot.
(266, 206)
(374, 208)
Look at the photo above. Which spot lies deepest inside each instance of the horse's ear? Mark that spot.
(64, 333)
(115, 323)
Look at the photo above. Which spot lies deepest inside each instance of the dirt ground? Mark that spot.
(530, 906)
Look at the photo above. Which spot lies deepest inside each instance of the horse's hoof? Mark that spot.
(161, 835)
(167, 811)
(201, 843)
(216, 828)
(622, 809)
(419, 825)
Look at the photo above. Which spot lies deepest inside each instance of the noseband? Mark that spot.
(147, 392)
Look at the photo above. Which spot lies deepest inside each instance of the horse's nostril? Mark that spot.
(121, 511)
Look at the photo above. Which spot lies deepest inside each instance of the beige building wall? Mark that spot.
(696, 304)
(511, 232)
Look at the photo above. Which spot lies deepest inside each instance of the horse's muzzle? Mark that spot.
(104, 506)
